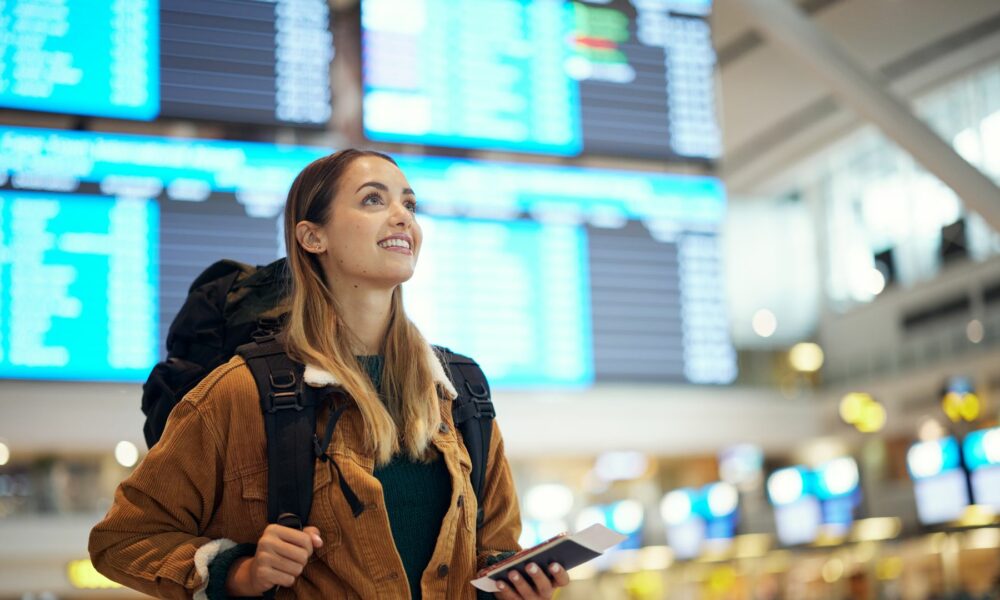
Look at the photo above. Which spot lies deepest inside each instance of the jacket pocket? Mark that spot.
(253, 490)
(254, 494)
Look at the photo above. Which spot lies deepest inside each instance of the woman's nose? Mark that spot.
(401, 215)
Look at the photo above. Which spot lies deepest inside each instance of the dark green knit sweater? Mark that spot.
(417, 496)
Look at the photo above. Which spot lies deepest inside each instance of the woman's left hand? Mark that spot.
(544, 586)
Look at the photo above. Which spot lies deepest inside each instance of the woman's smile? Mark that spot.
(399, 243)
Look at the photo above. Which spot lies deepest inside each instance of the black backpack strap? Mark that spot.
(473, 414)
(289, 411)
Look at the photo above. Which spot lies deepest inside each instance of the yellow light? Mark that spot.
(982, 539)
(852, 406)
(828, 536)
(721, 579)
(872, 419)
(961, 407)
(751, 545)
(4, 454)
(656, 558)
(83, 576)
(889, 568)
(950, 405)
(876, 529)
(806, 357)
(646, 584)
(833, 570)
(977, 515)
(969, 408)
(778, 561)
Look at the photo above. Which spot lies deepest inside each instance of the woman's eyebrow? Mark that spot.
(383, 187)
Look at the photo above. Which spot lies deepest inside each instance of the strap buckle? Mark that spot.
(481, 398)
(282, 401)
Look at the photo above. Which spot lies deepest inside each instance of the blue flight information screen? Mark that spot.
(519, 297)
(81, 57)
(79, 277)
(549, 276)
(561, 77)
(467, 73)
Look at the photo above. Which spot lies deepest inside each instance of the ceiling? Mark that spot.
(775, 111)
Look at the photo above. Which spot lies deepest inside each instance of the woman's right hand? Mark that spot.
(282, 553)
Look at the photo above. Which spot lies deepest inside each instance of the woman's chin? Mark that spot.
(391, 278)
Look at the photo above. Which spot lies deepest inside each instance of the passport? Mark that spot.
(567, 550)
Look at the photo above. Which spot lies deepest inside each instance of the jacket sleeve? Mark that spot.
(152, 538)
(501, 513)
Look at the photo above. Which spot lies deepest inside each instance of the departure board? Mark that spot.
(246, 61)
(618, 77)
(633, 257)
(523, 290)
(550, 276)
(80, 57)
(79, 275)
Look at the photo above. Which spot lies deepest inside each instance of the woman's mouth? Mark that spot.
(397, 244)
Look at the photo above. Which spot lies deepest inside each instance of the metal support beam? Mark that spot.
(785, 25)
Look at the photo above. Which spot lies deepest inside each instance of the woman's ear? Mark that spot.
(310, 237)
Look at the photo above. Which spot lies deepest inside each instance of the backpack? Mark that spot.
(235, 308)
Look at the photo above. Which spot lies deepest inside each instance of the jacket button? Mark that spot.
(442, 570)
(461, 501)
(443, 428)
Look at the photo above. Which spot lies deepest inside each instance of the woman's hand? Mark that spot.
(282, 553)
(544, 584)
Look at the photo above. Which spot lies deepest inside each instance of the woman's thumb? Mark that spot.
(314, 536)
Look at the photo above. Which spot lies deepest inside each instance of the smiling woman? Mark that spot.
(191, 519)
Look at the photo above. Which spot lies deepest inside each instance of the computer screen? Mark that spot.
(80, 57)
(246, 61)
(242, 61)
(619, 77)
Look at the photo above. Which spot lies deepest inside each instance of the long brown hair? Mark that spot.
(410, 414)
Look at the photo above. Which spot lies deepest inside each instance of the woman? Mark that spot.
(191, 519)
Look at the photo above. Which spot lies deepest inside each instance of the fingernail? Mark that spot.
(555, 568)
(501, 586)
(532, 569)
(514, 576)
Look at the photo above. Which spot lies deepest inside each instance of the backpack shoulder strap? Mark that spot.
(473, 414)
(289, 411)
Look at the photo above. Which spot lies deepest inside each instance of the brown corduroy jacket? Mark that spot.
(203, 489)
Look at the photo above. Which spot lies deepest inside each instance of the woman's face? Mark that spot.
(371, 237)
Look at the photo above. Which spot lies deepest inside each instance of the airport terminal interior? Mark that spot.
(732, 267)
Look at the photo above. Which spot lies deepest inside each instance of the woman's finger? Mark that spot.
(543, 587)
(522, 586)
(281, 565)
(270, 577)
(291, 552)
(506, 592)
(560, 577)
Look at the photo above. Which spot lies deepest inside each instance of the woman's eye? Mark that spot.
(372, 199)
(411, 206)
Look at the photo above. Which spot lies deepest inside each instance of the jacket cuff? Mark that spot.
(203, 559)
(218, 570)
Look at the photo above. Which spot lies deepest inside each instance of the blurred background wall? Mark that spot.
(731, 267)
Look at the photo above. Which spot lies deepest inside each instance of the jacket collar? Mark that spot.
(318, 377)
